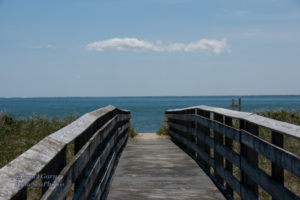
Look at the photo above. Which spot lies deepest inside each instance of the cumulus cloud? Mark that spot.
(121, 44)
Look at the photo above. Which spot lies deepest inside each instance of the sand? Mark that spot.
(149, 136)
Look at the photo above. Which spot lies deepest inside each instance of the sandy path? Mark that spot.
(149, 136)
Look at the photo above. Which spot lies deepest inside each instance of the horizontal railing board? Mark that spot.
(274, 188)
(181, 121)
(275, 125)
(30, 163)
(229, 154)
(78, 163)
(34, 160)
(226, 112)
(101, 186)
(76, 128)
(277, 155)
(223, 129)
(226, 175)
(98, 165)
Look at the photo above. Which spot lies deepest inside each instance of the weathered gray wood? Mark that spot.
(85, 193)
(278, 171)
(73, 170)
(250, 155)
(275, 125)
(205, 131)
(34, 160)
(226, 130)
(250, 143)
(228, 164)
(277, 155)
(226, 175)
(218, 139)
(53, 169)
(272, 187)
(221, 149)
(27, 164)
(101, 186)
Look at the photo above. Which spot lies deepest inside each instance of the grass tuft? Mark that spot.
(164, 130)
(132, 132)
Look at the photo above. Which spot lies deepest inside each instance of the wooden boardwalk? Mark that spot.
(155, 168)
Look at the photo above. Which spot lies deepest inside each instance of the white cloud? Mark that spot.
(121, 44)
(47, 46)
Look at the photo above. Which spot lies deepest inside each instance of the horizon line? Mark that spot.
(249, 95)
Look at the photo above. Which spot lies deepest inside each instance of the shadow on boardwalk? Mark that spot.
(155, 168)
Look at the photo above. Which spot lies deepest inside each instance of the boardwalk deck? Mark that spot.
(155, 168)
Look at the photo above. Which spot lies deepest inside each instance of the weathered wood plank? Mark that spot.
(275, 125)
(277, 171)
(27, 165)
(228, 164)
(221, 149)
(277, 155)
(224, 129)
(85, 193)
(73, 170)
(274, 188)
(226, 175)
(103, 181)
(250, 155)
(35, 159)
(218, 140)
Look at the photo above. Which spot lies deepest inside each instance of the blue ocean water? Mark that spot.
(147, 112)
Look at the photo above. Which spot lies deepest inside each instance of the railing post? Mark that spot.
(250, 155)
(277, 171)
(228, 164)
(218, 139)
(206, 131)
(53, 169)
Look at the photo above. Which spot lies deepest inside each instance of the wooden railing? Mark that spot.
(227, 144)
(77, 160)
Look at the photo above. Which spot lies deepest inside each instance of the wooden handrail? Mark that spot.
(200, 130)
(104, 130)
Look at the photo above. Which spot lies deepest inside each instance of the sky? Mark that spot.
(63, 48)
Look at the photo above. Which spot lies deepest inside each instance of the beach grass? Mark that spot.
(132, 132)
(18, 135)
(290, 144)
(164, 129)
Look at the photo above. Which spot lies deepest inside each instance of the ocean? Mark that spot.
(147, 112)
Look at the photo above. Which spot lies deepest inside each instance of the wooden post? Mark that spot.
(232, 105)
(206, 131)
(277, 171)
(250, 155)
(53, 169)
(218, 139)
(228, 164)
(240, 104)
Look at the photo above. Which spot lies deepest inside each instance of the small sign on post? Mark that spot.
(239, 106)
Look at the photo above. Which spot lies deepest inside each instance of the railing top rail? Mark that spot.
(45, 150)
(274, 125)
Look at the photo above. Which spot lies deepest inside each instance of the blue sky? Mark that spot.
(149, 47)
